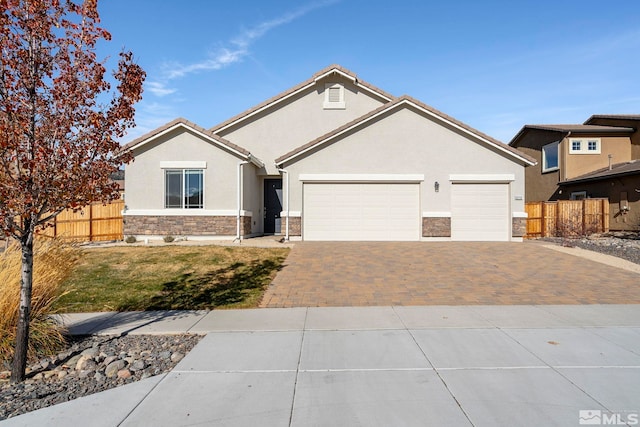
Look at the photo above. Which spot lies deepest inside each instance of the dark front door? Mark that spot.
(272, 205)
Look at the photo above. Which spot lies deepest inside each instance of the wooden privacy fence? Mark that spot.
(567, 218)
(92, 223)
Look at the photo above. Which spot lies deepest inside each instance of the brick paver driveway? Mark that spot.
(444, 273)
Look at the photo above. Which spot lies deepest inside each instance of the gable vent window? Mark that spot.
(584, 145)
(334, 97)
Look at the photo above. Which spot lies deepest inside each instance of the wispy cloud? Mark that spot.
(159, 88)
(150, 116)
(233, 51)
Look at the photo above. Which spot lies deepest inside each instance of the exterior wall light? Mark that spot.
(436, 186)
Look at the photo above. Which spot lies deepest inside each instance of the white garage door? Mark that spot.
(480, 212)
(370, 211)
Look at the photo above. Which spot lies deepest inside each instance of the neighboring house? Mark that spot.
(118, 179)
(333, 158)
(600, 158)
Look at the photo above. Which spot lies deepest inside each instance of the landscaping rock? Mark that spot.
(124, 373)
(138, 365)
(176, 357)
(621, 244)
(102, 363)
(90, 353)
(113, 368)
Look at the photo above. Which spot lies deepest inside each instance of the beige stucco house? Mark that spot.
(333, 158)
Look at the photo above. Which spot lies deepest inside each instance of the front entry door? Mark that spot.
(272, 206)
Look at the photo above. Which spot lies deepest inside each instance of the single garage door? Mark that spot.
(361, 211)
(480, 212)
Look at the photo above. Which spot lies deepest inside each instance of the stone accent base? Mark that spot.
(295, 228)
(518, 227)
(436, 227)
(185, 225)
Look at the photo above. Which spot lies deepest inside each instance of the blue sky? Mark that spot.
(495, 65)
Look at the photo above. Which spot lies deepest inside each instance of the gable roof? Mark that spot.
(595, 117)
(617, 170)
(206, 134)
(333, 69)
(570, 128)
(406, 100)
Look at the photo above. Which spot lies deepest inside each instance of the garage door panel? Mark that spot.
(480, 212)
(350, 211)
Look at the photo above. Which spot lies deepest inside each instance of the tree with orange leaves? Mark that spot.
(60, 121)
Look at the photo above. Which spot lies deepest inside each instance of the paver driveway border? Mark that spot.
(317, 274)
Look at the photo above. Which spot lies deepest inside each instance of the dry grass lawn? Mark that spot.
(170, 278)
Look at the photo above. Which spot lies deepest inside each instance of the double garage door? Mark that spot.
(392, 212)
(361, 211)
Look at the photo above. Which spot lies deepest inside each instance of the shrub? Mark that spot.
(168, 239)
(53, 262)
(130, 239)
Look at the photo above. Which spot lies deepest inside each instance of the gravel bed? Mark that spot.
(625, 245)
(89, 365)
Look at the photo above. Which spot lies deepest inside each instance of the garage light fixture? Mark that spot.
(436, 186)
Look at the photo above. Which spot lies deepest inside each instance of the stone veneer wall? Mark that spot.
(518, 227)
(185, 225)
(436, 227)
(295, 229)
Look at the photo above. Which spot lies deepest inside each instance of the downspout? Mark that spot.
(240, 164)
(286, 235)
(563, 169)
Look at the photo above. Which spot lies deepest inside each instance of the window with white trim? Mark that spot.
(584, 146)
(184, 189)
(334, 96)
(550, 157)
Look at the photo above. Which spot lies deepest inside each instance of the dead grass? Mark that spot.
(170, 278)
(53, 262)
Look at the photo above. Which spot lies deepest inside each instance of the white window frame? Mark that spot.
(585, 143)
(334, 105)
(545, 168)
(182, 197)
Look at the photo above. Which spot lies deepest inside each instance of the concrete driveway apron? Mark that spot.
(444, 273)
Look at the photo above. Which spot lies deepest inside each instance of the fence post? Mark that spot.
(543, 223)
(91, 222)
(584, 217)
(557, 221)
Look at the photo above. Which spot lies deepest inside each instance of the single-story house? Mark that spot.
(332, 158)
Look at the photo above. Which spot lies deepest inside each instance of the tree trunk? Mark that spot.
(22, 330)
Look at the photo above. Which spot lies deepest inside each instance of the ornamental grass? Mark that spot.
(54, 261)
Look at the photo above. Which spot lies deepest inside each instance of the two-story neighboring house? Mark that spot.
(600, 158)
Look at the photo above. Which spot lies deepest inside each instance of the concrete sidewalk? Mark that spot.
(375, 366)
